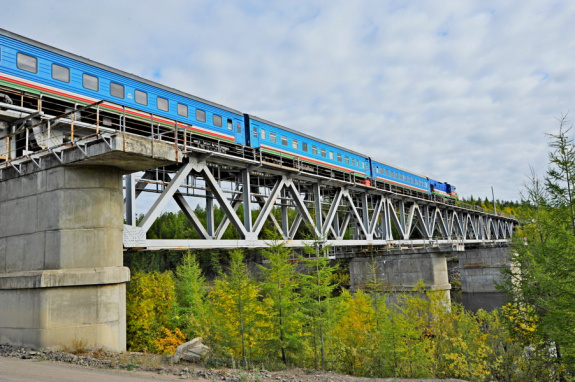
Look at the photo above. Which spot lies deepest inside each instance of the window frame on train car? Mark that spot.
(346, 159)
(331, 155)
(201, 116)
(338, 157)
(262, 134)
(323, 153)
(141, 97)
(216, 120)
(284, 140)
(162, 103)
(26, 66)
(314, 150)
(305, 147)
(183, 111)
(255, 132)
(294, 144)
(58, 75)
(114, 90)
(273, 137)
(88, 80)
(230, 124)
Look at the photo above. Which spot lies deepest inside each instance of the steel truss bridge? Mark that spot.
(236, 186)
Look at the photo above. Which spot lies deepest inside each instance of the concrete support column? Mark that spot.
(401, 272)
(61, 265)
(480, 268)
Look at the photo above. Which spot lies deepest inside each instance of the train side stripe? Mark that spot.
(11, 80)
(312, 160)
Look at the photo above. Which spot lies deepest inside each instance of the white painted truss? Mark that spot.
(298, 210)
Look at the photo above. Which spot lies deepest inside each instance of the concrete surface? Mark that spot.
(481, 268)
(401, 272)
(61, 267)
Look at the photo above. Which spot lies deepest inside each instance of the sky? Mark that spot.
(460, 91)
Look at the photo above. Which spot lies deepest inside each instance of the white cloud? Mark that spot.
(462, 91)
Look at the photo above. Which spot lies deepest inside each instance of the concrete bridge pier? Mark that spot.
(480, 270)
(401, 272)
(61, 267)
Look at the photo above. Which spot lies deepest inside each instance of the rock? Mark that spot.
(191, 351)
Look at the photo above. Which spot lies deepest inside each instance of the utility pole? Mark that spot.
(493, 195)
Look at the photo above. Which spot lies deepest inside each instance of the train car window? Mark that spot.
(346, 160)
(230, 125)
(339, 157)
(387, 172)
(323, 154)
(263, 134)
(294, 144)
(90, 82)
(273, 137)
(201, 115)
(239, 128)
(284, 141)
(116, 90)
(141, 97)
(304, 147)
(216, 119)
(163, 104)
(255, 130)
(314, 150)
(60, 73)
(331, 155)
(183, 111)
(27, 63)
(353, 162)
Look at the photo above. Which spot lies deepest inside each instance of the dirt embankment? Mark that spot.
(161, 365)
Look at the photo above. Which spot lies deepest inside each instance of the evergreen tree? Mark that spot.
(542, 281)
(237, 315)
(283, 303)
(191, 297)
(316, 290)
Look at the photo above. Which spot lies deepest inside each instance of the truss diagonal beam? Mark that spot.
(301, 207)
(222, 200)
(269, 204)
(165, 197)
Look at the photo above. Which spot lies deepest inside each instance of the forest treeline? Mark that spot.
(293, 311)
(292, 314)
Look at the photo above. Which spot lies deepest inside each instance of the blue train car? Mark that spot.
(41, 69)
(282, 141)
(383, 172)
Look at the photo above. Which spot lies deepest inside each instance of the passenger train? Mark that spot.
(37, 68)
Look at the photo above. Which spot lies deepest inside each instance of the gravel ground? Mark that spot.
(158, 367)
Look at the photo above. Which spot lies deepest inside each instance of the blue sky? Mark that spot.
(459, 91)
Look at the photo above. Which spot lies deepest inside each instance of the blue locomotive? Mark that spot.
(37, 68)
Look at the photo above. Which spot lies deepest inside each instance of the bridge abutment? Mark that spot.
(401, 272)
(61, 268)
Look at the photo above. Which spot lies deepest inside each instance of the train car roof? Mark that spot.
(110, 69)
(306, 135)
(399, 168)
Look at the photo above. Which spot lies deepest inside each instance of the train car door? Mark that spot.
(254, 134)
(237, 126)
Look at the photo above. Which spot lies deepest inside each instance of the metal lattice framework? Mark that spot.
(301, 209)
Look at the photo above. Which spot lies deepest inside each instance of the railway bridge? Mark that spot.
(73, 177)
